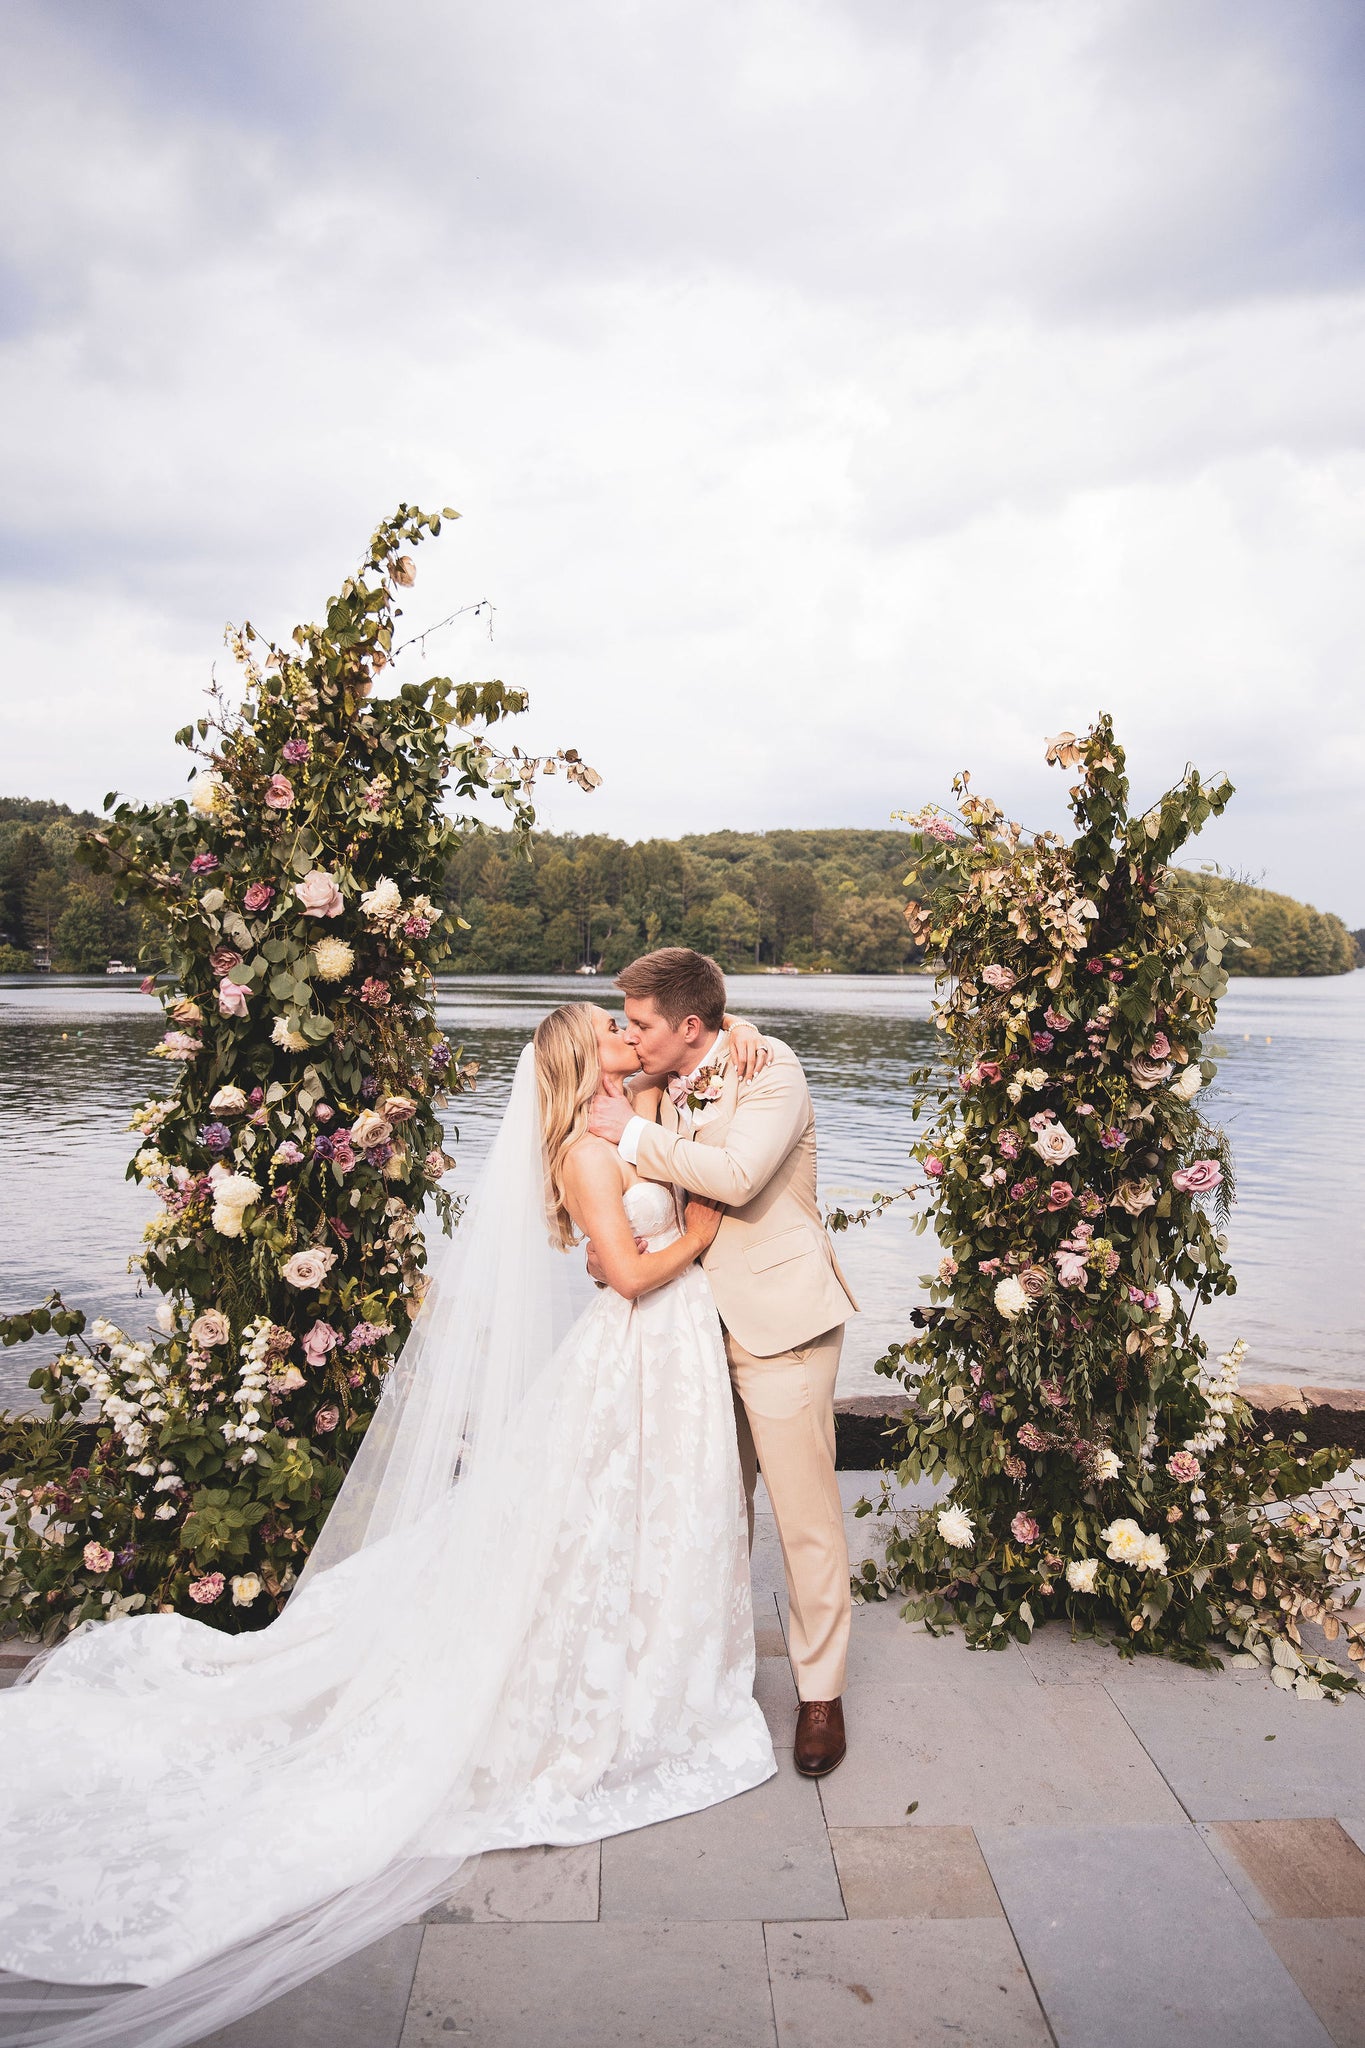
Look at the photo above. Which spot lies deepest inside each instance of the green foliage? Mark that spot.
(816, 899)
(1103, 1467)
(298, 1136)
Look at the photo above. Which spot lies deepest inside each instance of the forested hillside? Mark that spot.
(813, 899)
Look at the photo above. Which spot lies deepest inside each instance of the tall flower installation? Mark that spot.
(1103, 1467)
(296, 1136)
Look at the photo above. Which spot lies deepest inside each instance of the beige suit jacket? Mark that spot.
(771, 1267)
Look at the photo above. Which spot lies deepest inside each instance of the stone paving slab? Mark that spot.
(526, 1884)
(913, 1873)
(884, 1650)
(902, 1984)
(1134, 1938)
(616, 1984)
(1292, 1869)
(991, 1754)
(762, 1856)
(1326, 1959)
(361, 2003)
(1243, 1750)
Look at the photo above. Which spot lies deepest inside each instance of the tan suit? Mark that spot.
(783, 1302)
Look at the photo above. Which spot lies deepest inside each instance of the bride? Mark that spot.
(527, 1620)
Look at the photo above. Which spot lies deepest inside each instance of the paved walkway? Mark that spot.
(1037, 1845)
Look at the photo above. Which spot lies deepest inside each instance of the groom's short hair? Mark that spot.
(680, 982)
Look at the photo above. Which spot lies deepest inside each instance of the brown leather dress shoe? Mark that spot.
(820, 1743)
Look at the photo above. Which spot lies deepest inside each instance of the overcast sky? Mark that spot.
(837, 392)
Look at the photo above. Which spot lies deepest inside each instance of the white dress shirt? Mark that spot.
(629, 1143)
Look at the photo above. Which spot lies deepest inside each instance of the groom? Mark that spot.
(781, 1296)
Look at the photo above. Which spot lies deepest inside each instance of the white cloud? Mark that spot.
(837, 395)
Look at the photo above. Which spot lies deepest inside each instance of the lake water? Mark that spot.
(73, 1062)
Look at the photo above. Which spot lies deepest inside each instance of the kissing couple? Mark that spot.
(527, 1618)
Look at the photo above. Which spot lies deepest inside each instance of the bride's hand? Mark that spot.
(703, 1220)
(750, 1050)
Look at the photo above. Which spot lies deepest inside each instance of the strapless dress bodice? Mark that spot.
(652, 1210)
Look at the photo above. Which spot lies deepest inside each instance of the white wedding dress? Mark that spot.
(547, 1640)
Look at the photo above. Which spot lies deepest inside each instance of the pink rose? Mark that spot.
(222, 960)
(96, 1558)
(257, 896)
(933, 1167)
(279, 793)
(232, 997)
(295, 751)
(1160, 1047)
(1007, 1144)
(999, 978)
(1024, 1529)
(325, 1421)
(1033, 1280)
(1060, 1195)
(1184, 1466)
(208, 1589)
(147, 984)
(1056, 1020)
(1198, 1178)
(343, 1158)
(1070, 1269)
(319, 895)
(318, 1341)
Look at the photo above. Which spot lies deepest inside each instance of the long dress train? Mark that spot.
(557, 1649)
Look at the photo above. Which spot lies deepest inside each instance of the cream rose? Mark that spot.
(229, 1101)
(319, 894)
(369, 1129)
(1054, 1145)
(1187, 1084)
(309, 1268)
(398, 1108)
(209, 1329)
(246, 1587)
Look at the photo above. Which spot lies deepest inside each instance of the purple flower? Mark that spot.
(1042, 1041)
(416, 927)
(986, 1404)
(441, 1056)
(217, 1137)
(1113, 1139)
(288, 1154)
(203, 863)
(369, 1087)
(364, 1335)
(379, 1155)
(296, 750)
(323, 1146)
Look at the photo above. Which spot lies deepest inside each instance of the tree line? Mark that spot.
(818, 899)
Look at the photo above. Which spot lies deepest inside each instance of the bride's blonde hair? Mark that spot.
(569, 1072)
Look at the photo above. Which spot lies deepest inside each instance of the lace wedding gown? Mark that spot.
(560, 1648)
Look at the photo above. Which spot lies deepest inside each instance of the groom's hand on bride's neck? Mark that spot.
(610, 1112)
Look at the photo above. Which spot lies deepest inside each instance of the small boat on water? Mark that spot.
(587, 968)
(121, 967)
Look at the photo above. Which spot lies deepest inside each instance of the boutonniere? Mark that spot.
(704, 1088)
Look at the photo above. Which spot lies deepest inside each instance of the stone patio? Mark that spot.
(1034, 1845)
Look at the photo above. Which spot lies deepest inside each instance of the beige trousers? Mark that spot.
(784, 1413)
